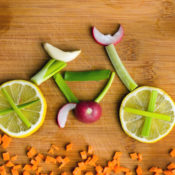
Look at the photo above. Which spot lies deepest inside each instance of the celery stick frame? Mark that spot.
(51, 67)
(120, 68)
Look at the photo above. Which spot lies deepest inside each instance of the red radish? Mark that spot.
(88, 111)
(106, 40)
(63, 114)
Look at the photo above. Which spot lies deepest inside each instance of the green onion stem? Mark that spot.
(94, 75)
(6, 111)
(148, 114)
(51, 67)
(151, 106)
(16, 109)
(120, 68)
(65, 88)
(106, 88)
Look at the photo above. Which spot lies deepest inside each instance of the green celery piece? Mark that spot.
(51, 68)
(151, 106)
(148, 114)
(65, 88)
(16, 109)
(94, 75)
(120, 69)
(6, 111)
(105, 90)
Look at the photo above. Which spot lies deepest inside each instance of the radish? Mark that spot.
(107, 39)
(63, 114)
(88, 111)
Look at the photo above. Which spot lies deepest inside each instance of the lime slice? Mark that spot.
(132, 124)
(34, 108)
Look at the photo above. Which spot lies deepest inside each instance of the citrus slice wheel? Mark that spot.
(31, 102)
(139, 99)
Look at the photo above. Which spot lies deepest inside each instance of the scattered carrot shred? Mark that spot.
(63, 173)
(76, 171)
(82, 165)
(172, 153)
(128, 173)
(9, 164)
(27, 167)
(59, 159)
(140, 157)
(156, 170)
(64, 162)
(90, 150)
(51, 151)
(134, 156)
(117, 155)
(13, 158)
(93, 160)
(171, 166)
(14, 171)
(34, 162)
(26, 173)
(83, 155)
(50, 159)
(39, 157)
(17, 167)
(107, 170)
(99, 169)
(6, 140)
(51, 173)
(6, 156)
(169, 172)
(69, 147)
(89, 173)
(2, 170)
(32, 152)
(39, 169)
(139, 170)
(88, 160)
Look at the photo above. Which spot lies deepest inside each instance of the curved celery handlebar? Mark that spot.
(120, 69)
(94, 75)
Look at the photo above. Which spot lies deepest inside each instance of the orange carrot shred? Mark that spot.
(171, 166)
(93, 160)
(55, 147)
(64, 162)
(39, 169)
(26, 173)
(90, 150)
(6, 141)
(107, 170)
(9, 164)
(14, 171)
(59, 159)
(63, 173)
(51, 173)
(99, 169)
(128, 173)
(172, 153)
(124, 169)
(76, 171)
(88, 160)
(32, 152)
(13, 158)
(2, 170)
(69, 147)
(134, 156)
(50, 159)
(168, 172)
(34, 162)
(89, 173)
(6, 156)
(140, 157)
(51, 151)
(83, 155)
(139, 170)
(27, 167)
(17, 167)
(155, 170)
(82, 165)
(39, 157)
(117, 155)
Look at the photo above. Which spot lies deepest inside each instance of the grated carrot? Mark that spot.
(9, 164)
(128, 173)
(89, 173)
(39, 157)
(140, 157)
(38, 170)
(32, 152)
(90, 150)
(169, 172)
(83, 155)
(139, 170)
(117, 155)
(2, 170)
(63, 173)
(82, 165)
(88, 160)
(171, 166)
(93, 160)
(26, 173)
(13, 158)
(107, 170)
(112, 163)
(50, 159)
(6, 140)
(69, 147)
(59, 159)
(51, 151)
(172, 153)
(99, 169)
(134, 156)
(6, 156)
(51, 173)
(64, 162)
(124, 169)
(27, 167)
(76, 171)
(17, 167)
(34, 162)
(14, 171)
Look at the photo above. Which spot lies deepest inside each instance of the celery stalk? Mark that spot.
(16, 109)
(151, 106)
(51, 67)
(104, 91)
(6, 111)
(120, 69)
(65, 88)
(148, 114)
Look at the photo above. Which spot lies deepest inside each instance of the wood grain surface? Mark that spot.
(147, 50)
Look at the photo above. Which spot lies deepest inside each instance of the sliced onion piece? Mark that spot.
(63, 114)
(59, 54)
(108, 39)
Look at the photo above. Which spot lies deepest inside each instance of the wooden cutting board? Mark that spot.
(147, 50)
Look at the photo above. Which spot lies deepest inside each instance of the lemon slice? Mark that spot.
(22, 92)
(132, 124)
